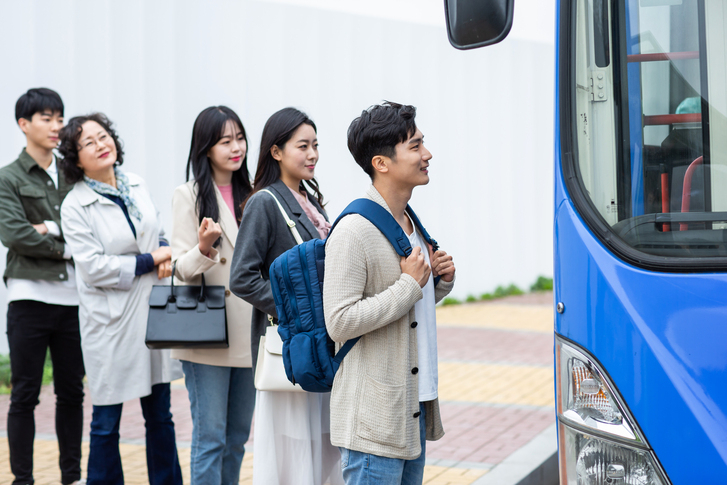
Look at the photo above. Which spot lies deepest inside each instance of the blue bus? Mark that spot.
(640, 234)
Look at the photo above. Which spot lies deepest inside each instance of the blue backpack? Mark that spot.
(296, 277)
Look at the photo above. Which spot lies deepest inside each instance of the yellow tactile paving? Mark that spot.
(496, 384)
(439, 475)
(535, 318)
(133, 458)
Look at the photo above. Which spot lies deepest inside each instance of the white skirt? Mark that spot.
(292, 440)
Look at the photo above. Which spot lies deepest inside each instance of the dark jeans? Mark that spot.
(162, 463)
(32, 328)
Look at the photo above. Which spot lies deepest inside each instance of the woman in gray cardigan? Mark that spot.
(292, 429)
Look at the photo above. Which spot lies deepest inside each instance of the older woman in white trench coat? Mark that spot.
(113, 229)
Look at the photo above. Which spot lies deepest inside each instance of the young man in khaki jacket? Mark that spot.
(384, 398)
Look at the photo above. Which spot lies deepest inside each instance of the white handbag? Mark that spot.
(270, 371)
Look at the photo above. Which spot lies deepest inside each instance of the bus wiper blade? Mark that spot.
(690, 217)
(624, 227)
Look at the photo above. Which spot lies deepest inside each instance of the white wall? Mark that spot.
(152, 66)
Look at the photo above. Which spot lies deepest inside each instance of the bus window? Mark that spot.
(652, 150)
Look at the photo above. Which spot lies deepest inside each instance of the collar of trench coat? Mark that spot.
(87, 196)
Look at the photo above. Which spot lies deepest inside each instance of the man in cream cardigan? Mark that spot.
(384, 398)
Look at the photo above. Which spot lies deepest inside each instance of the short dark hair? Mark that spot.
(68, 148)
(37, 100)
(378, 130)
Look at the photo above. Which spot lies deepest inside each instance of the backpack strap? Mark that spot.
(385, 222)
(427, 237)
(288, 221)
(382, 219)
(345, 348)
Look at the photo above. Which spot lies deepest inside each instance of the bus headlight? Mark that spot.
(599, 442)
(584, 396)
(592, 460)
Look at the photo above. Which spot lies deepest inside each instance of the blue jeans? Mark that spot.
(222, 400)
(367, 469)
(104, 459)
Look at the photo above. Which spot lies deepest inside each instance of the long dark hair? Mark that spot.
(208, 129)
(278, 130)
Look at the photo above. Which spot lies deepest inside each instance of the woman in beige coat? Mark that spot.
(206, 213)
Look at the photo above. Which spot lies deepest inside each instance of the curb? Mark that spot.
(536, 463)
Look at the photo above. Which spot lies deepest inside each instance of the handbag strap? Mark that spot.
(201, 297)
(288, 221)
(173, 298)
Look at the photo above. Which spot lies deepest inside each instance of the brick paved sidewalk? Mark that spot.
(496, 395)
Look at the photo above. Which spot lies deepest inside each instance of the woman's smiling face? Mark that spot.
(96, 149)
(298, 157)
(229, 151)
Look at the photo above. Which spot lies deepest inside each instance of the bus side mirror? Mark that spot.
(477, 23)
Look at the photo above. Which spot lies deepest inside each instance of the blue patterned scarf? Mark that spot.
(121, 191)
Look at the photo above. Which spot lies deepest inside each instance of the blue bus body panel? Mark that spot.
(662, 338)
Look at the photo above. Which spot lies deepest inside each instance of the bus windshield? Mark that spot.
(651, 100)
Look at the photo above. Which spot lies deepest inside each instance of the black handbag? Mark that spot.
(187, 317)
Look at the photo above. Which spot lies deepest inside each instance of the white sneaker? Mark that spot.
(79, 482)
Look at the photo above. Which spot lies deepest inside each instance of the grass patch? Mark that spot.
(4, 374)
(502, 291)
(47, 369)
(542, 284)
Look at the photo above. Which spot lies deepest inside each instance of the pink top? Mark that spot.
(226, 191)
(311, 211)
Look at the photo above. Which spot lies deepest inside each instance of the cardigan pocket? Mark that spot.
(381, 412)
